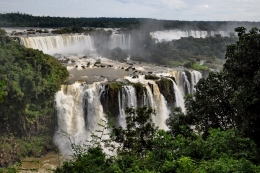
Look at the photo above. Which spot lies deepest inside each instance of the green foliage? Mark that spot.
(242, 69)
(139, 132)
(197, 66)
(151, 77)
(140, 147)
(2, 92)
(31, 79)
(179, 123)
(2, 32)
(210, 106)
(185, 52)
(93, 160)
(231, 98)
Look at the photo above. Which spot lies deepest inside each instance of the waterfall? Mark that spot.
(122, 120)
(128, 100)
(185, 83)
(168, 35)
(157, 101)
(178, 97)
(60, 44)
(79, 112)
(120, 40)
(195, 77)
(131, 100)
(80, 107)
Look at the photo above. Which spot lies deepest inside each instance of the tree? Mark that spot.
(139, 133)
(242, 70)
(231, 98)
(2, 32)
(210, 106)
(179, 123)
(2, 93)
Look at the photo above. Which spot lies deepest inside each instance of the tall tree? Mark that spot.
(232, 97)
(242, 70)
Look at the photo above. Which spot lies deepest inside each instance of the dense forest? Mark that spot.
(219, 133)
(26, 20)
(28, 81)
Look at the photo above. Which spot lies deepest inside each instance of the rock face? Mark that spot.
(166, 88)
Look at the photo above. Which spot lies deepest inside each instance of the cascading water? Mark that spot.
(128, 100)
(185, 83)
(120, 40)
(79, 112)
(178, 97)
(169, 35)
(160, 105)
(195, 77)
(80, 109)
(63, 44)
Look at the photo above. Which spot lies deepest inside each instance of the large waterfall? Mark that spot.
(63, 44)
(120, 40)
(169, 35)
(81, 107)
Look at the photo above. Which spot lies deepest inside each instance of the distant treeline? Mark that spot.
(26, 20)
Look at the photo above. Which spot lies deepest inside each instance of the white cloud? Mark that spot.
(203, 7)
(174, 4)
(161, 9)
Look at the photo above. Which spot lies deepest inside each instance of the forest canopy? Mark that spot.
(26, 20)
(28, 81)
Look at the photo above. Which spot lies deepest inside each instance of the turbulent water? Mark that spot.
(169, 35)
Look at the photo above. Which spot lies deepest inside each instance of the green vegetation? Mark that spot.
(29, 80)
(219, 132)
(231, 98)
(187, 52)
(141, 147)
(151, 77)
(26, 20)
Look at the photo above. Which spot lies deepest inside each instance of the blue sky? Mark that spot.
(209, 10)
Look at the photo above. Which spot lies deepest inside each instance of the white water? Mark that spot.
(73, 126)
(195, 77)
(79, 110)
(122, 120)
(128, 100)
(169, 35)
(120, 40)
(178, 97)
(63, 44)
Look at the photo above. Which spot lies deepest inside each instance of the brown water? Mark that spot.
(45, 164)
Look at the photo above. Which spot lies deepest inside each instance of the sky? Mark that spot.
(200, 10)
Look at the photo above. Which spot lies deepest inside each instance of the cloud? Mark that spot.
(160, 9)
(203, 7)
(174, 4)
